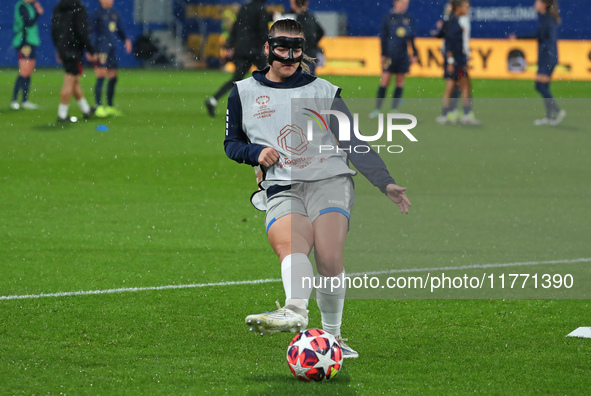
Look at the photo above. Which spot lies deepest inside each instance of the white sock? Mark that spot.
(62, 111)
(296, 268)
(83, 104)
(330, 297)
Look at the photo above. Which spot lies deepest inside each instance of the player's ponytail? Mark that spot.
(291, 26)
(552, 8)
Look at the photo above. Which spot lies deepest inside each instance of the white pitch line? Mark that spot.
(261, 281)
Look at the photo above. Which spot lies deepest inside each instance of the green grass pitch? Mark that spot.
(155, 202)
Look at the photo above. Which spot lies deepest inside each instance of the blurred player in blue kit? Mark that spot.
(547, 35)
(464, 20)
(396, 35)
(456, 66)
(25, 40)
(308, 193)
(106, 28)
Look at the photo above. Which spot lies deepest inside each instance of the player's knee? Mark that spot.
(282, 249)
(330, 261)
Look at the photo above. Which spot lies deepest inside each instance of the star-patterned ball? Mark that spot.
(314, 355)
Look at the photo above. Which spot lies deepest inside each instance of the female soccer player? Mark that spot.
(456, 64)
(106, 27)
(549, 19)
(396, 34)
(465, 23)
(25, 41)
(309, 193)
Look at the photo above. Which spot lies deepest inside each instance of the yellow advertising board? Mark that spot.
(511, 59)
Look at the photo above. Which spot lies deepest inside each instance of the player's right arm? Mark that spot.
(236, 144)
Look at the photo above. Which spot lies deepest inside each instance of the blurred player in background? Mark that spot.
(25, 40)
(106, 27)
(307, 206)
(466, 24)
(313, 32)
(396, 35)
(547, 35)
(244, 46)
(70, 35)
(456, 66)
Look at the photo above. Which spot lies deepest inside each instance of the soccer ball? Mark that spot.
(314, 355)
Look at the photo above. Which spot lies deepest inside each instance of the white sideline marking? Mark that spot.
(260, 281)
(583, 332)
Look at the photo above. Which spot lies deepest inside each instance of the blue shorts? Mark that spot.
(546, 68)
(27, 52)
(106, 57)
(397, 65)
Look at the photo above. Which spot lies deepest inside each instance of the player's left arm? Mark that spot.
(121, 34)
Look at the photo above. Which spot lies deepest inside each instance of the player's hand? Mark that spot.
(451, 68)
(57, 57)
(398, 196)
(128, 46)
(91, 57)
(268, 156)
(38, 8)
(512, 36)
(414, 59)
